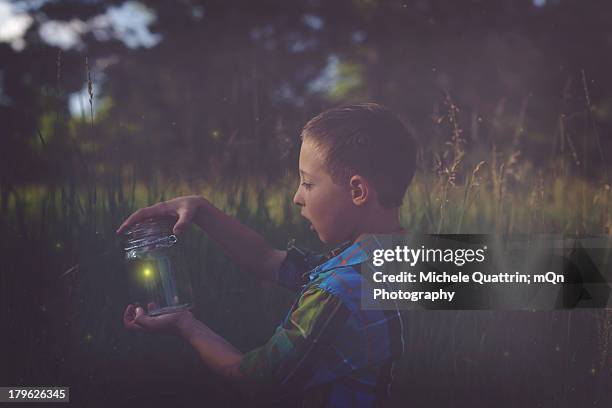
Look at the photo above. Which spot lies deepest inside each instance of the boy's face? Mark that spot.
(328, 206)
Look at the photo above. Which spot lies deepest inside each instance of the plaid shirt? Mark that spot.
(327, 351)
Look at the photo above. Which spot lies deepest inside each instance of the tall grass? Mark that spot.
(62, 288)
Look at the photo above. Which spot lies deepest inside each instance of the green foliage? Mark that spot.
(350, 83)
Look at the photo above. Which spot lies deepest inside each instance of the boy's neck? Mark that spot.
(383, 221)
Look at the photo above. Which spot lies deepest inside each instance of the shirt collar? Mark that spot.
(348, 254)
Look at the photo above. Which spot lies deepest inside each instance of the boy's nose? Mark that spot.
(297, 198)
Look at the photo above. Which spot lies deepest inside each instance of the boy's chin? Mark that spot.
(325, 238)
(322, 237)
(328, 240)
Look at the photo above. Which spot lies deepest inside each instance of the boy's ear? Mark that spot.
(360, 189)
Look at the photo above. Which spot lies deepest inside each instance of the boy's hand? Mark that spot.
(134, 318)
(184, 208)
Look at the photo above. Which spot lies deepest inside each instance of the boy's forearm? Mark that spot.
(246, 247)
(219, 355)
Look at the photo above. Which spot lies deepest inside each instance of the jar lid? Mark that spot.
(154, 232)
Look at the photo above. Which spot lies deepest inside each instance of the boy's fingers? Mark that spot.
(151, 306)
(181, 223)
(139, 215)
(143, 214)
(129, 220)
(141, 319)
(129, 318)
(128, 313)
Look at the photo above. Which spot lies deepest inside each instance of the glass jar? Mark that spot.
(158, 282)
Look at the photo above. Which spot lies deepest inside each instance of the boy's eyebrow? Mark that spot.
(303, 173)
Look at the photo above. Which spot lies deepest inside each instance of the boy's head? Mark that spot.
(356, 162)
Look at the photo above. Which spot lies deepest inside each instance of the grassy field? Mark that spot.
(63, 287)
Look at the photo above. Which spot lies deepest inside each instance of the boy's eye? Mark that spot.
(306, 185)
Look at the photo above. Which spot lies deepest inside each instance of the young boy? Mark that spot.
(355, 164)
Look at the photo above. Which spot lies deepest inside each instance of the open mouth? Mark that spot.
(310, 227)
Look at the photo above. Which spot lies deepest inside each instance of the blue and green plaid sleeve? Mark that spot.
(287, 361)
